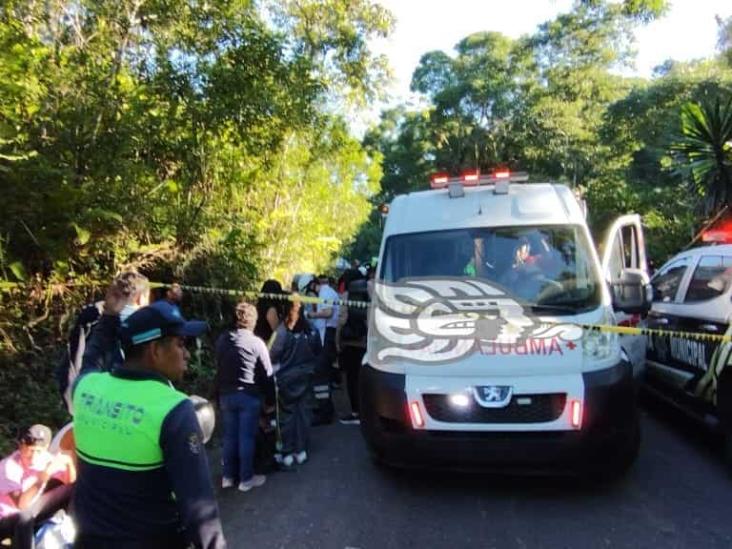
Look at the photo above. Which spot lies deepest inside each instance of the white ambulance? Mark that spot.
(476, 356)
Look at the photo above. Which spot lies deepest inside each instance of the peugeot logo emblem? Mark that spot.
(493, 396)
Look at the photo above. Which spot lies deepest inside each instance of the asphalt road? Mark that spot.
(678, 494)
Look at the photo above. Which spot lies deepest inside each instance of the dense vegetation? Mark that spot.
(210, 142)
(555, 104)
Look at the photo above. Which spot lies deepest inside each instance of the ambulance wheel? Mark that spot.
(623, 457)
(629, 454)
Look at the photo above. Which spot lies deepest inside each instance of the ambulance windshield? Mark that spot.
(541, 265)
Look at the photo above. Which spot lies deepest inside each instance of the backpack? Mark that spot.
(69, 365)
(356, 322)
(300, 348)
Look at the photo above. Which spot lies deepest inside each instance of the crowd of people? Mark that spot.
(136, 473)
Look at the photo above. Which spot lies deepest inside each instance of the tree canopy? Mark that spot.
(556, 104)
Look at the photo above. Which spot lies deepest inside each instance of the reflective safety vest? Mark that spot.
(117, 421)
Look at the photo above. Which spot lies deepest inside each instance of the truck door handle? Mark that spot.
(661, 320)
(709, 328)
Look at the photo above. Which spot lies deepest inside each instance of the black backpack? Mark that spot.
(357, 319)
(69, 365)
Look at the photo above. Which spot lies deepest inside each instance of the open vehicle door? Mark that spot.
(625, 267)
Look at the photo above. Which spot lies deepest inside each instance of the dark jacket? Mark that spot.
(117, 504)
(242, 362)
(103, 352)
(295, 348)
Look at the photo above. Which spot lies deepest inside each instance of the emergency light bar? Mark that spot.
(474, 177)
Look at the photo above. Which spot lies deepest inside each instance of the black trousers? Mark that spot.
(21, 526)
(295, 386)
(350, 361)
(321, 401)
(173, 541)
(330, 353)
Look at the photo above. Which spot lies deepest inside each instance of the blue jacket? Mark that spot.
(136, 505)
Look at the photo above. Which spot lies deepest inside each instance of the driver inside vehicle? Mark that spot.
(529, 272)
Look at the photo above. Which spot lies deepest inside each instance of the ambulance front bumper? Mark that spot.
(542, 440)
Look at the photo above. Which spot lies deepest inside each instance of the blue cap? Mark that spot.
(156, 321)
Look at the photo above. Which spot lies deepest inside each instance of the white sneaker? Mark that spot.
(255, 482)
(288, 460)
(226, 483)
(351, 419)
(301, 457)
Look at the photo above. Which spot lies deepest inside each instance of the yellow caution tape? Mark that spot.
(621, 330)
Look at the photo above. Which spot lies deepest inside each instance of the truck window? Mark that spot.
(711, 278)
(666, 282)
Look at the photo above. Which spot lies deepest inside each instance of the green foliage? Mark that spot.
(188, 139)
(332, 35)
(706, 145)
(552, 104)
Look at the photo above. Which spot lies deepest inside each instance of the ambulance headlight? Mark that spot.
(460, 400)
(598, 345)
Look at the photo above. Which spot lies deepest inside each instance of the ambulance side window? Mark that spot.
(617, 259)
(624, 252)
(630, 250)
(711, 278)
(666, 282)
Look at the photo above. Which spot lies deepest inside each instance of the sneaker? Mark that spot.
(301, 457)
(255, 482)
(227, 482)
(288, 463)
(351, 419)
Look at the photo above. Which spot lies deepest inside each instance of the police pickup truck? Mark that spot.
(692, 293)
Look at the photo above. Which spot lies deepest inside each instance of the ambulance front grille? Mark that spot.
(539, 408)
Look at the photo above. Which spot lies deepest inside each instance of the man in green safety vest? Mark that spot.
(143, 479)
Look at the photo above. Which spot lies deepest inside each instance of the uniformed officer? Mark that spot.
(143, 479)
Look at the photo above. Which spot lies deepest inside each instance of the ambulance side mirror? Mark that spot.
(631, 292)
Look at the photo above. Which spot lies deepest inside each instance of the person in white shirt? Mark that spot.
(325, 319)
(326, 314)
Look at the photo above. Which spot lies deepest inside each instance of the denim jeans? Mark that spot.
(240, 414)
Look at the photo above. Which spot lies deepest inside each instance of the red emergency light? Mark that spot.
(439, 180)
(472, 178)
(722, 234)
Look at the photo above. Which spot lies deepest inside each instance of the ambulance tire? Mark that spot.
(623, 457)
(384, 467)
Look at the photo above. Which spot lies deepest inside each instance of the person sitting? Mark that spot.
(34, 485)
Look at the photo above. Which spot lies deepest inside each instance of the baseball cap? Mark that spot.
(303, 281)
(156, 321)
(36, 435)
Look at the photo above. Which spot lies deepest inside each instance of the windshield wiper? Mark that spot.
(562, 309)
